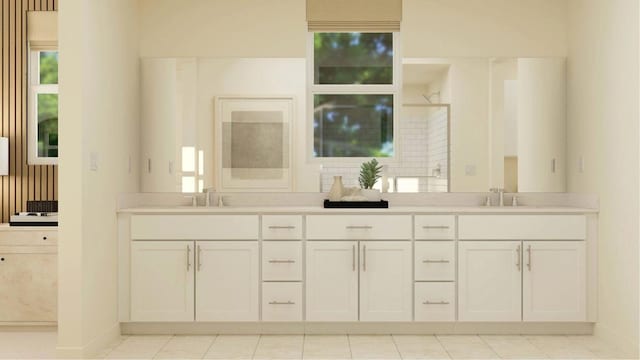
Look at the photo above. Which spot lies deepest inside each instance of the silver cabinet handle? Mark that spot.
(278, 261)
(435, 302)
(518, 256)
(353, 258)
(289, 302)
(441, 261)
(276, 227)
(199, 264)
(529, 257)
(149, 165)
(364, 227)
(433, 227)
(364, 257)
(188, 258)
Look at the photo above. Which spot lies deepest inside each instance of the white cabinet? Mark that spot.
(281, 261)
(385, 281)
(162, 280)
(435, 261)
(227, 277)
(358, 227)
(282, 301)
(554, 281)
(332, 281)
(435, 301)
(489, 280)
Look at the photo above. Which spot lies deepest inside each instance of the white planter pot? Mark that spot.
(371, 194)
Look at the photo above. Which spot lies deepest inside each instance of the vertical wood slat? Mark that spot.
(24, 182)
(24, 191)
(5, 98)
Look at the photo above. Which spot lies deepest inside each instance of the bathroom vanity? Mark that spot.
(308, 269)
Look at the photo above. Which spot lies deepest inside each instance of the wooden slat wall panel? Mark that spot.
(24, 182)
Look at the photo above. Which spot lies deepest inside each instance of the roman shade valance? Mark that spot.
(354, 15)
(42, 26)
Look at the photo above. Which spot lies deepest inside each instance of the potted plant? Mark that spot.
(369, 174)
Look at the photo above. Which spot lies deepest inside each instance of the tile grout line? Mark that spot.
(393, 339)
(489, 346)
(253, 356)
(443, 347)
(349, 342)
(162, 347)
(215, 337)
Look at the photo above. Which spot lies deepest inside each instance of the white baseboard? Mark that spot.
(91, 349)
(356, 328)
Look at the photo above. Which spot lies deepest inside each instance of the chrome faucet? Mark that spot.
(500, 192)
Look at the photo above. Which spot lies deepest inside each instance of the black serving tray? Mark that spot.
(382, 204)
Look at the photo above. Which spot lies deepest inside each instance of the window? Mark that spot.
(353, 87)
(43, 106)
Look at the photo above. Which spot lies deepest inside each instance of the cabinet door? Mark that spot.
(385, 281)
(489, 280)
(554, 281)
(28, 284)
(162, 280)
(332, 281)
(227, 281)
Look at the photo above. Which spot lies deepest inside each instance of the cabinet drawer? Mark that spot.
(282, 301)
(194, 227)
(525, 227)
(281, 227)
(435, 261)
(282, 261)
(359, 227)
(435, 301)
(435, 227)
(28, 237)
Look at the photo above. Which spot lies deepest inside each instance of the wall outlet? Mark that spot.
(470, 170)
(93, 161)
(581, 164)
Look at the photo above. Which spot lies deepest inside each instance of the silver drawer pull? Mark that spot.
(282, 302)
(277, 261)
(435, 302)
(441, 261)
(434, 227)
(365, 227)
(276, 227)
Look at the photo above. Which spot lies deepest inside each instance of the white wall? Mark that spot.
(223, 28)
(99, 104)
(603, 96)
(277, 28)
(506, 28)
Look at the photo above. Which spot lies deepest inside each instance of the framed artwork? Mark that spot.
(253, 143)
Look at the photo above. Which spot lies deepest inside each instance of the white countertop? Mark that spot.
(390, 210)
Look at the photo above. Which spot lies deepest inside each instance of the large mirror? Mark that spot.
(459, 125)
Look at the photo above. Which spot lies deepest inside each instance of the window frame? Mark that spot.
(35, 89)
(393, 89)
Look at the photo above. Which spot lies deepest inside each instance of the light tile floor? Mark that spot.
(41, 345)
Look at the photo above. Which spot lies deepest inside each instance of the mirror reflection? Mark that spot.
(449, 125)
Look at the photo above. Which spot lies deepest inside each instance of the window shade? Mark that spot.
(354, 15)
(42, 26)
